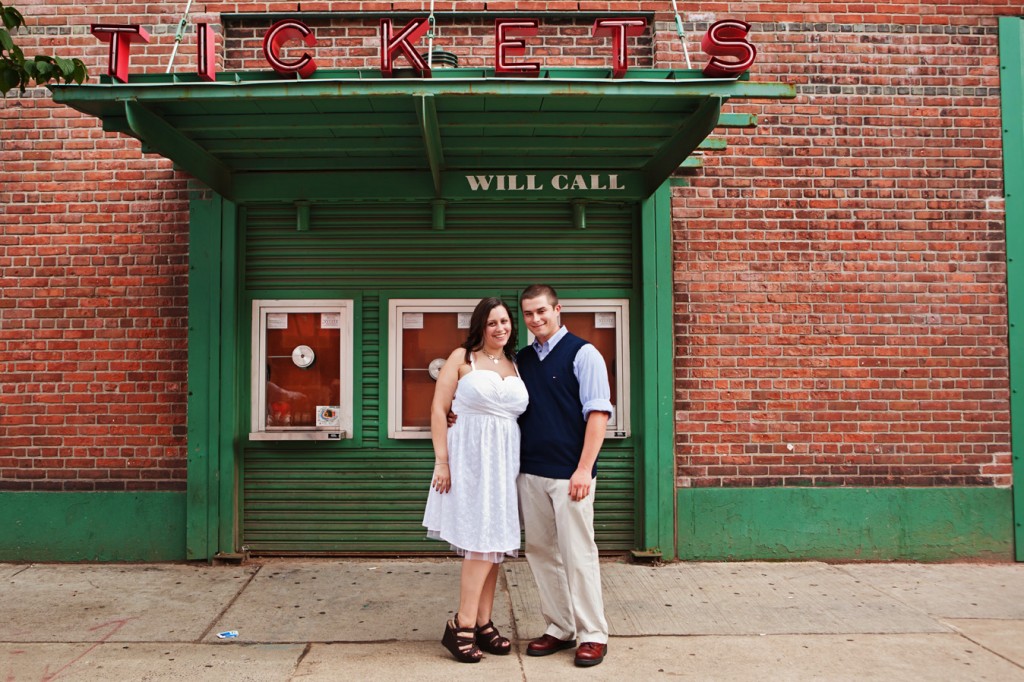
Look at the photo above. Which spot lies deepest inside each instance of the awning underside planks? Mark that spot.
(253, 139)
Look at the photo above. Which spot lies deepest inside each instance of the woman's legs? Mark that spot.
(476, 603)
(476, 592)
(483, 612)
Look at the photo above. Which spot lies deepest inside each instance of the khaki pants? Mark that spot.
(562, 554)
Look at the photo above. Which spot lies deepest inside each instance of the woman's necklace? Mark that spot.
(493, 359)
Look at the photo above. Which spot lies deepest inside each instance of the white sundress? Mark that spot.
(479, 516)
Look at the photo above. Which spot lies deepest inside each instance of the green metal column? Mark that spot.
(210, 469)
(1011, 77)
(658, 450)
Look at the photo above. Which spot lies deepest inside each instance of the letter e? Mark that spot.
(505, 46)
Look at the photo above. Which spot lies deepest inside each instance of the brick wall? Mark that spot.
(839, 271)
(93, 311)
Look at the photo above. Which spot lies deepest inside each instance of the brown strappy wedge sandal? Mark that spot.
(460, 642)
(490, 640)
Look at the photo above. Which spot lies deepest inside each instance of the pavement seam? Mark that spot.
(298, 663)
(25, 568)
(895, 597)
(514, 624)
(963, 634)
(231, 602)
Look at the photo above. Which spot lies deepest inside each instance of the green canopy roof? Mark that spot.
(354, 134)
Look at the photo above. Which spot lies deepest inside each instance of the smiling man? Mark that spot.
(562, 433)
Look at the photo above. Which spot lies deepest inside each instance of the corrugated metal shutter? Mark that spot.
(335, 498)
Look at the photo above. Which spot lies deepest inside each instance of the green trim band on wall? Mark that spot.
(54, 526)
(1011, 85)
(847, 524)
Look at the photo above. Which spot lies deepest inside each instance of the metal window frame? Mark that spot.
(261, 308)
(396, 308)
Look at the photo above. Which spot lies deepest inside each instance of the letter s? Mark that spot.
(727, 38)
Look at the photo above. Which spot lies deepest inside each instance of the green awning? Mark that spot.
(462, 133)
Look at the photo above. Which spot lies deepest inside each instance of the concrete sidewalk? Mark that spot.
(344, 619)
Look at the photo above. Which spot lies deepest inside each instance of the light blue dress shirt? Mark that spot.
(591, 372)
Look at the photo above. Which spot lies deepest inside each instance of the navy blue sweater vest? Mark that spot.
(552, 426)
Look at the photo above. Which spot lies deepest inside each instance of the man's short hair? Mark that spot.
(537, 290)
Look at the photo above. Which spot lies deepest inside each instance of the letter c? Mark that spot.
(279, 34)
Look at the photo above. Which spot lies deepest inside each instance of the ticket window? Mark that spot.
(605, 324)
(302, 370)
(423, 333)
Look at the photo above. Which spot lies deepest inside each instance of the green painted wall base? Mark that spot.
(851, 524)
(92, 526)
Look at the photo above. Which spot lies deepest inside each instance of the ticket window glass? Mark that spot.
(302, 370)
(423, 333)
(605, 324)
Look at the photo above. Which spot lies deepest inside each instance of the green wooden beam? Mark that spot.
(116, 124)
(697, 127)
(451, 121)
(485, 146)
(464, 164)
(228, 468)
(714, 143)
(1011, 87)
(369, 145)
(170, 143)
(213, 400)
(737, 121)
(203, 398)
(427, 113)
(340, 88)
(657, 340)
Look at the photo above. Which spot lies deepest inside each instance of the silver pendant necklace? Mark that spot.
(493, 359)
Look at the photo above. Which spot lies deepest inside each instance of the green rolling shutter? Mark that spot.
(367, 495)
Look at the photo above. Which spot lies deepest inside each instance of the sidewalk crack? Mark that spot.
(231, 602)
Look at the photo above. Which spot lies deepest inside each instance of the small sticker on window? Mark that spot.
(464, 320)
(412, 320)
(330, 320)
(604, 320)
(277, 320)
(328, 415)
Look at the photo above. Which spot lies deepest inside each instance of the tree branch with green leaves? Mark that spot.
(17, 71)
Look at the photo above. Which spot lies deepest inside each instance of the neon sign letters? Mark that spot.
(725, 42)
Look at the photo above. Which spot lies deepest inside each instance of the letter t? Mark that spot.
(619, 29)
(120, 37)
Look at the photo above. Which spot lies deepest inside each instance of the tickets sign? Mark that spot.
(725, 42)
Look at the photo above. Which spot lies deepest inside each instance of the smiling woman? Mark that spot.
(472, 504)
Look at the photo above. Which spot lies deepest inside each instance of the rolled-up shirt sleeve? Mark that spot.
(592, 374)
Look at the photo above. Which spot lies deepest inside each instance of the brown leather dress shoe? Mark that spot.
(548, 644)
(590, 653)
